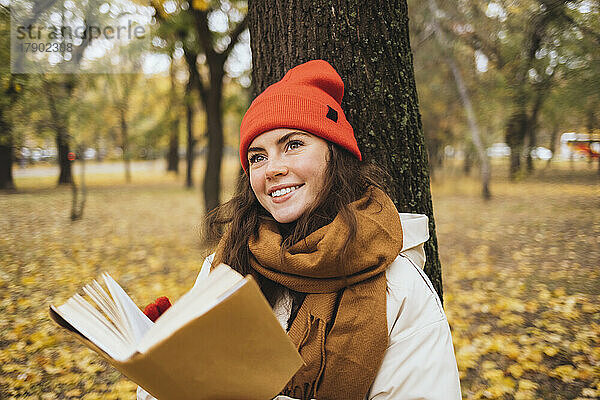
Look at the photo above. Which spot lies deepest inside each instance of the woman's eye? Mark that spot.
(256, 158)
(294, 144)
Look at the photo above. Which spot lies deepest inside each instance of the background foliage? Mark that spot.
(521, 272)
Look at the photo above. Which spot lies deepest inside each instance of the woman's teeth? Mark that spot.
(281, 192)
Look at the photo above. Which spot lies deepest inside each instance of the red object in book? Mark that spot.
(156, 309)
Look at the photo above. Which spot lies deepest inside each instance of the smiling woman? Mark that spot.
(340, 267)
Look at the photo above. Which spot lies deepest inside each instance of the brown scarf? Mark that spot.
(341, 327)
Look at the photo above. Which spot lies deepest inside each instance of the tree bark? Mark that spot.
(369, 47)
(59, 122)
(77, 206)
(125, 140)
(515, 135)
(212, 175)
(173, 153)
(552, 145)
(191, 142)
(542, 90)
(467, 162)
(6, 140)
(6, 161)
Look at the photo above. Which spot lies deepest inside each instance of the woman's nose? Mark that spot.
(276, 167)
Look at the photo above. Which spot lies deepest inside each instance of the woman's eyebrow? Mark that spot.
(288, 135)
(252, 149)
(282, 139)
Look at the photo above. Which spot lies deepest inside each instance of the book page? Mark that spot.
(138, 323)
(193, 304)
(95, 327)
(115, 326)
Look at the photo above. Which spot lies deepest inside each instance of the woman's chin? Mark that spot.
(285, 216)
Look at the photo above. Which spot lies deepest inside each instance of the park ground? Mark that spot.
(521, 276)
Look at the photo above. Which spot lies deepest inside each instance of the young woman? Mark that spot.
(340, 266)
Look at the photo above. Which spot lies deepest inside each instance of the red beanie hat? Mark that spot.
(307, 98)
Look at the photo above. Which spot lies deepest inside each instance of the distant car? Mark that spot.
(541, 153)
(498, 150)
(89, 154)
(36, 154)
(49, 154)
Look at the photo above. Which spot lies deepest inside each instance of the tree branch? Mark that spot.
(584, 29)
(204, 34)
(235, 35)
(476, 42)
(194, 75)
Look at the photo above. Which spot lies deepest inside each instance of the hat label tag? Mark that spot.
(332, 114)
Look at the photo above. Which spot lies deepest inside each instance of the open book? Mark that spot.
(221, 340)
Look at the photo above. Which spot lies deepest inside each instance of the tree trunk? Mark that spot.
(6, 162)
(552, 145)
(125, 142)
(515, 135)
(191, 142)
(531, 145)
(212, 175)
(77, 206)
(65, 177)
(467, 162)
(59, 122)
(6, 138)
(173, 154)
(369, 47)
(541, 92)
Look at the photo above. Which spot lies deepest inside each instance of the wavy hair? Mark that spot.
(346, 180)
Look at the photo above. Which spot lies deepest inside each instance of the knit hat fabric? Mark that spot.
(308, 98)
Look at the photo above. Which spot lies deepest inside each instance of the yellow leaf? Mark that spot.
(74, 393)
(11, 367)
(515, 370)
(526, 384)
(525, 395)
(28, 280)
(565, 372)
(550, 350)
(560, 292)
(493, 374)
(200, 4)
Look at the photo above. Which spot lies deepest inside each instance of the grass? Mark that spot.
(520, 276)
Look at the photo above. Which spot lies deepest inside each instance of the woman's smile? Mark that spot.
(281, 195)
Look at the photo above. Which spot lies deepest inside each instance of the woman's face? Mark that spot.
(287, 171)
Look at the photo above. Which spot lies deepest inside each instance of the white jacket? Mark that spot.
(419, 362)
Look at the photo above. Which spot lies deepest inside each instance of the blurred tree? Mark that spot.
(369, 47)
(532, 44)
(121, 88)
(173, 29)
(10, 90)
(216, 28)
(173, 113)
(58, 91)
(466, 100)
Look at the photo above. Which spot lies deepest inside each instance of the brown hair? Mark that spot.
(346, 180)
